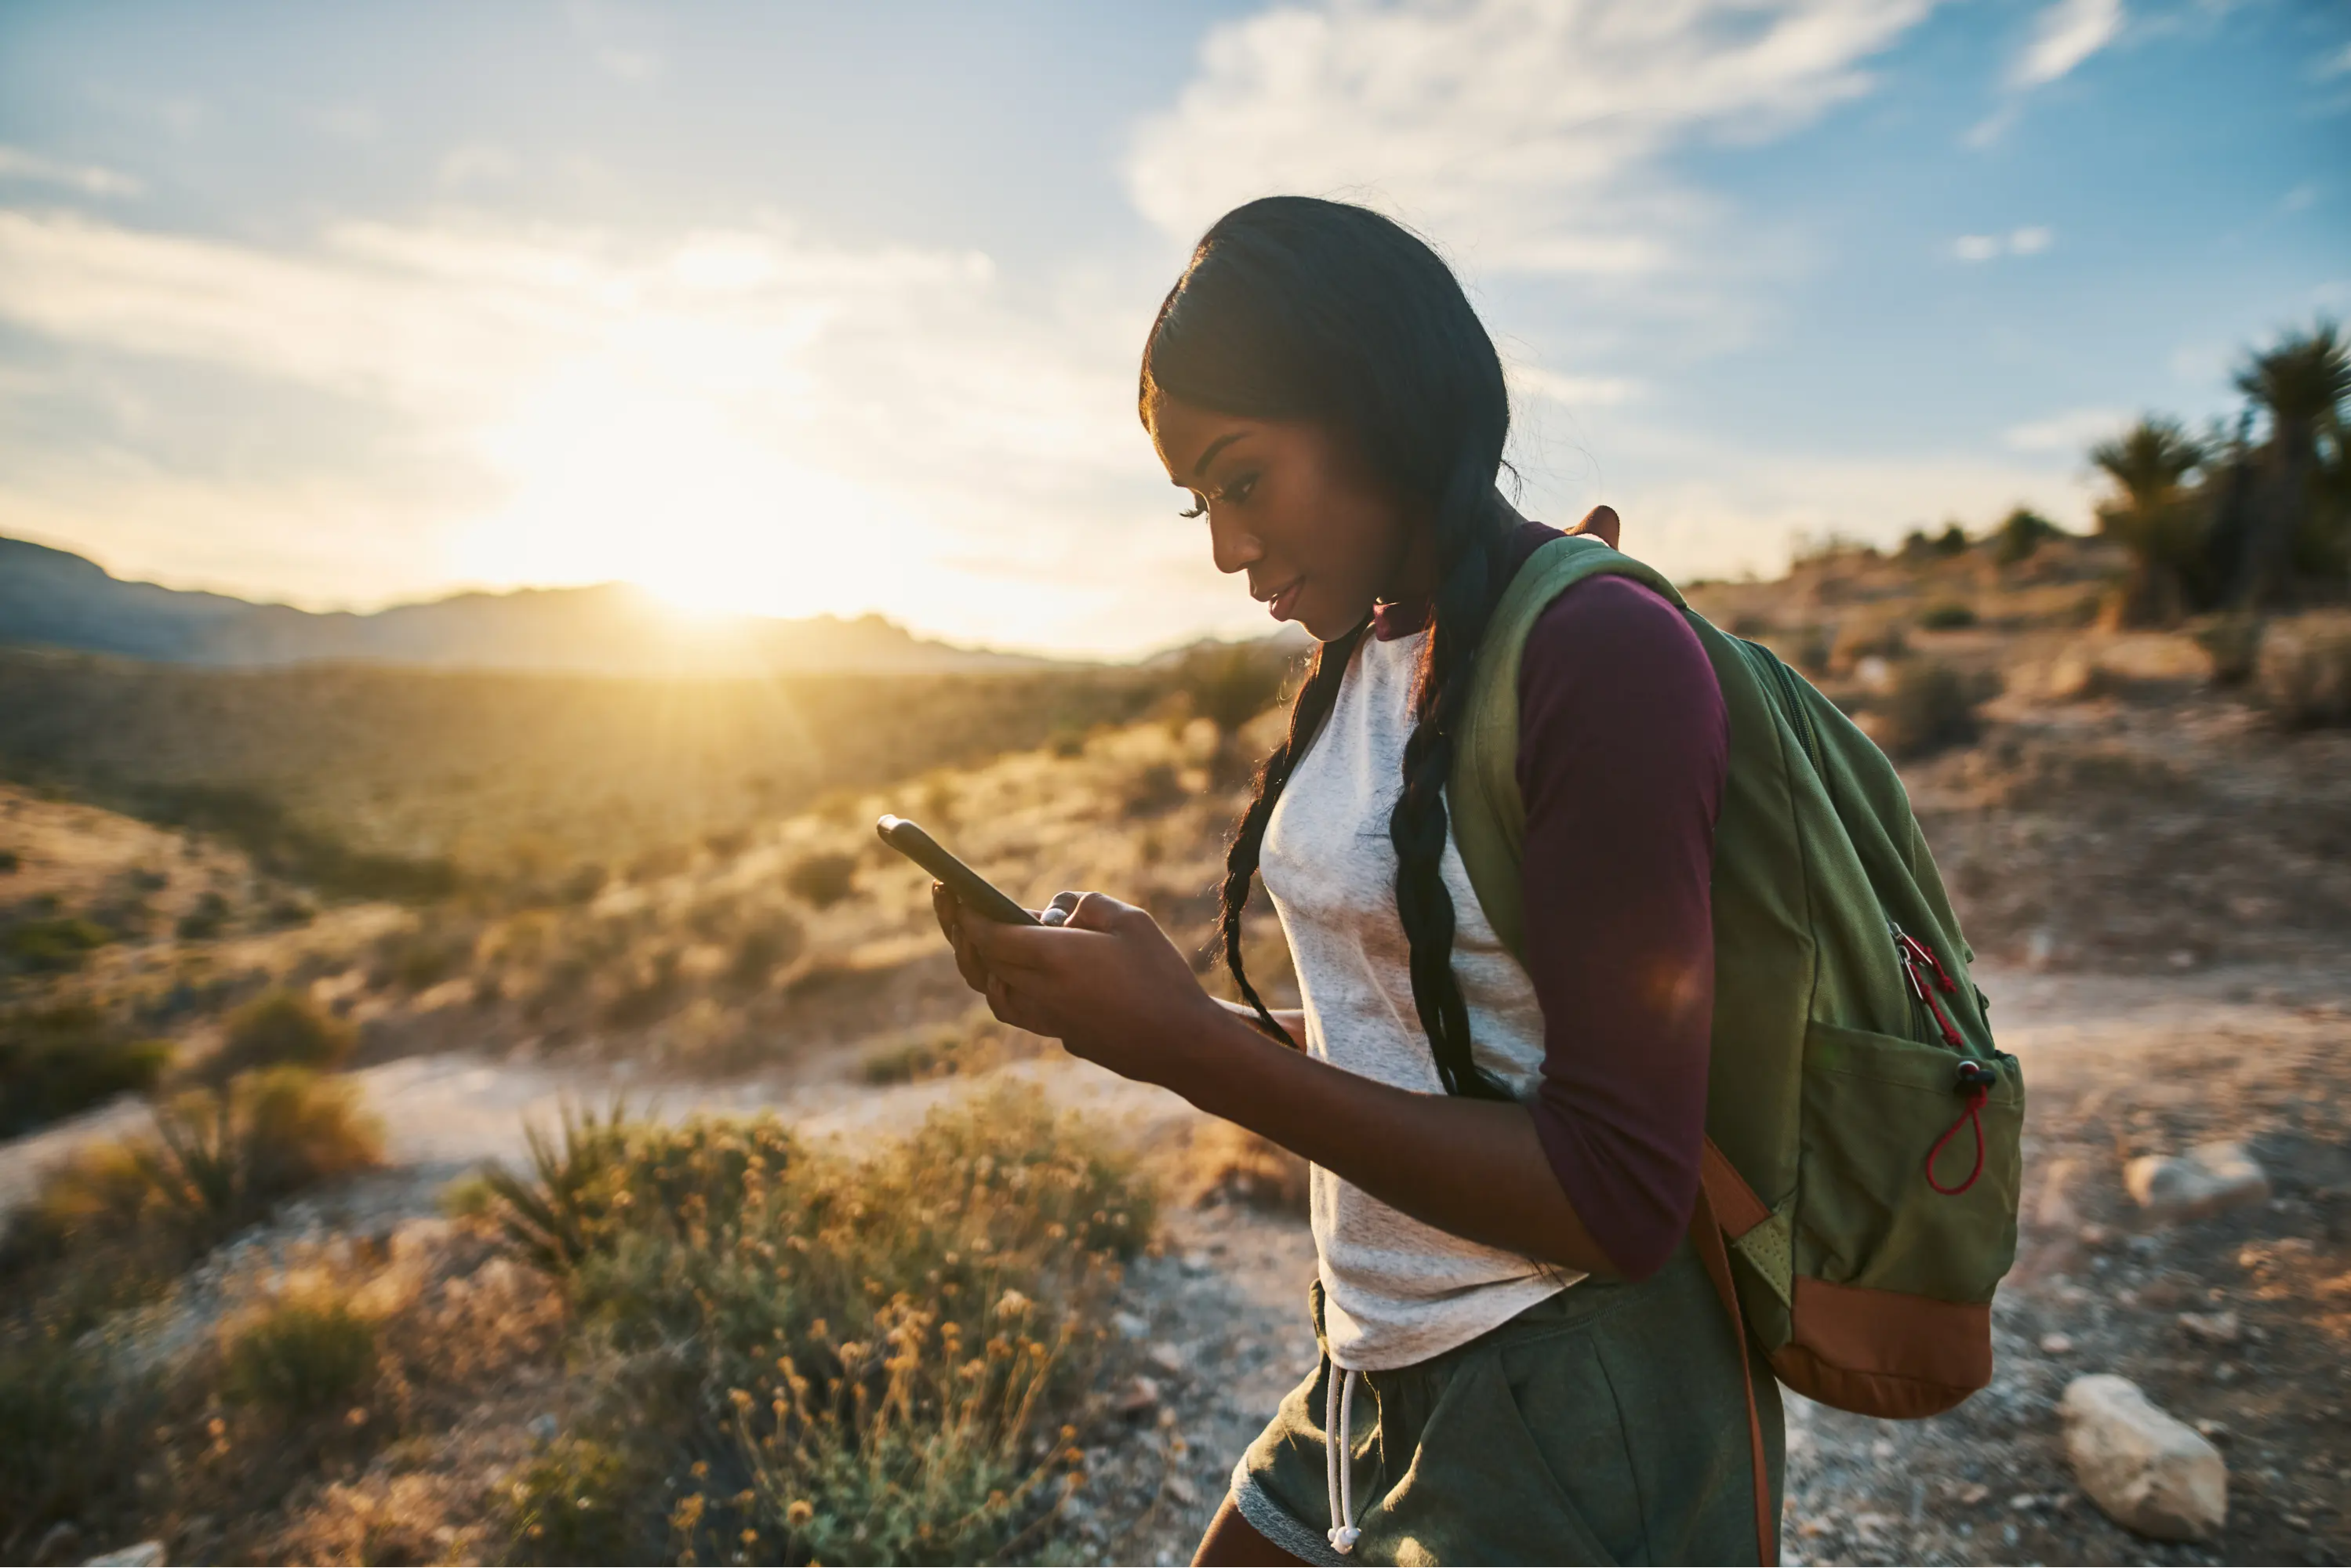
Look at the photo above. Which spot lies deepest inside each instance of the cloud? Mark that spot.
(2064, 36)
(746, 411)
(16, 164)
(1572, 391)
(2070, 432)
(1529, 135)
(2030, 241)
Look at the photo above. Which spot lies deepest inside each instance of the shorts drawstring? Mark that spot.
(1338, 1425)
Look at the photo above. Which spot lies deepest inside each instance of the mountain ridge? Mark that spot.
(55, 598)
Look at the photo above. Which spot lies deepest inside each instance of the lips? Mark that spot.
(1282, 602)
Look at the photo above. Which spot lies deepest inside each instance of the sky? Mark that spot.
(801, 309)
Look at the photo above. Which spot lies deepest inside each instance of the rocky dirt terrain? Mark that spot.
(2154, 870)
(2117, 1067)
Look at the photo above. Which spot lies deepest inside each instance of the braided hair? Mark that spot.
(1295, 307)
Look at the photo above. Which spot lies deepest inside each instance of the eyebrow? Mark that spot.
(1200, 469)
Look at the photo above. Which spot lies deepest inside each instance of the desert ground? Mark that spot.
(2152, 854)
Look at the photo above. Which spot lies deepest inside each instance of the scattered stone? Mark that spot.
(1168, 1358)
(1181, 1490)
(1140, 1397)
(2146, 1470)
(2215, 1431)
(2208, 1180)
(2209, 1328)
(2056, 1344)
(1971, 1495)
(146, 1554)
(1197, 1262)
(1130, 1325)
(543, 1428)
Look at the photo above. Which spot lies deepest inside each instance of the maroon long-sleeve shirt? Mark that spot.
(1623, 743)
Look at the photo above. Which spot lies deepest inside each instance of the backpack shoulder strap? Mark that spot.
(1488, 816)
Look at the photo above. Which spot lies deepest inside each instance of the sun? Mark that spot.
(613, 482)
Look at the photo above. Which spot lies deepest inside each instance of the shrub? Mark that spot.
(56, 1061)
(573, 1504)
(1230, 684)
(217, 1159)
(1930, 709)
(300, 1357)
(821, 880)
(2303, 673)
(418, 958)
(73, 1434)
(2234, 642)
(1948, 616)
(2020, 534)
(871, 1359)
(1155, 791)
(206, 920)
(10, 860)
(52, 944)
(282, 1029)
(767, 946)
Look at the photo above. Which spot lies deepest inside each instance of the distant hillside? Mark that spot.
(56, 599)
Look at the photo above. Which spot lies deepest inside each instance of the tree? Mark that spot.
(2155, 513)
(2300, 385)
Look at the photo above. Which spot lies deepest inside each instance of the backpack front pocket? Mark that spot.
(1910, 1166)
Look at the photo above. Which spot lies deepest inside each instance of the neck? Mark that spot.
(1418, 575)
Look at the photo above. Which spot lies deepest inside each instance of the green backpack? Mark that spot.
(1862, 1159)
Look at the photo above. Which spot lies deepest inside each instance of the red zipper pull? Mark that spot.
(1924, 953)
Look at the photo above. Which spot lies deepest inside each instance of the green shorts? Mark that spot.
(1605, 1424)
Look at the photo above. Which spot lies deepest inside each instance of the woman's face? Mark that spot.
(1290, 502)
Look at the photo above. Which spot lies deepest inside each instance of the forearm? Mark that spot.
(1472, 1167)
(1291, 1018)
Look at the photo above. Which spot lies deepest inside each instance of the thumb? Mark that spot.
(1098, 912)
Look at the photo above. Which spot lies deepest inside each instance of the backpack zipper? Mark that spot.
(1790, 700)
(1918, 960)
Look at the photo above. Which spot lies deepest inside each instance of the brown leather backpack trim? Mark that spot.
(1885, 1352)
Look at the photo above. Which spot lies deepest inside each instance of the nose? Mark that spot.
(1235, 547)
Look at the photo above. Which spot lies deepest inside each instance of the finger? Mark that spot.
(1603, 523)
(1099, 912)
(1058, 912)
(946, 909)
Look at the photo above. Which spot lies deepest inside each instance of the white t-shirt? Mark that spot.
(1395, 1292)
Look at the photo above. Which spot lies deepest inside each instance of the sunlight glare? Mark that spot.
(613, 481)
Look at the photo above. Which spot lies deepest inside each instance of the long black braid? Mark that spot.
(1296, 308)
(1315, 697)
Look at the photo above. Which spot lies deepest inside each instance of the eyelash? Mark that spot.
(1236, 492)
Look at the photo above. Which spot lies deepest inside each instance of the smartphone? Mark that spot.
(973, 891)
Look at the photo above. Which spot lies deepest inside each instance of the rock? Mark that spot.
(2209, 1328)
(2148, 1471)
(146, 1554)
(1166, 1358)
(2208, 1180)
(2056, 1344)
(543, 1428)
(1140, 1397)
(1130, 1325)
(61, 1544)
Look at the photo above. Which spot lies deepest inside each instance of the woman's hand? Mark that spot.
(1098, 975)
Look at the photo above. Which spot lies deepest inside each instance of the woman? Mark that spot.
(1523, 1359)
